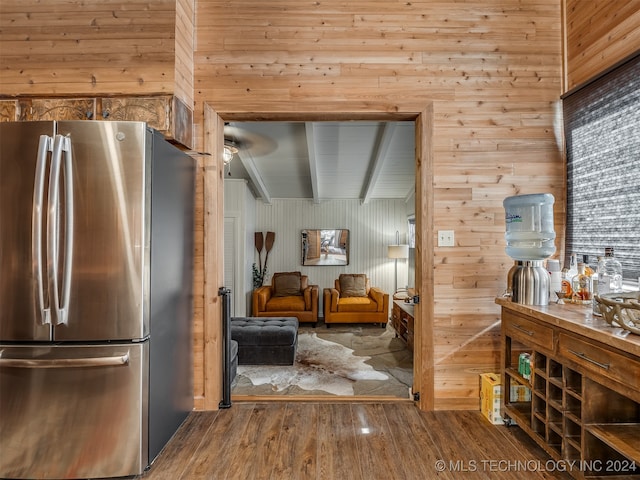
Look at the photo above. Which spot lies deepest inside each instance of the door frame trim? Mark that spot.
(214, 118)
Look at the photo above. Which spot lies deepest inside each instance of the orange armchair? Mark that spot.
(289, 295)
(353, 300)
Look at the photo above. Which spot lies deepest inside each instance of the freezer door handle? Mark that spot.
(61, 148)
(114, 361)
(45, 145)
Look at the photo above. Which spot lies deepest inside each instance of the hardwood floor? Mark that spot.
(347, 440)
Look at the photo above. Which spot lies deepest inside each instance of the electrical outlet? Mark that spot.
(445, 238)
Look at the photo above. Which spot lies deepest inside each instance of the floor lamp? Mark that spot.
(397, 251)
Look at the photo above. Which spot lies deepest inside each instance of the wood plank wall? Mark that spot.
(184, 46)
(75, 47)
(492, 69)
(493, 72)
(599, 34)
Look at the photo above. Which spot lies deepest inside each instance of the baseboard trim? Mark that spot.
(319, 398)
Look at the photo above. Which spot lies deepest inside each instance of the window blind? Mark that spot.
(602, 132)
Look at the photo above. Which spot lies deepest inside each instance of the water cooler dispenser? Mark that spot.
(530, 237)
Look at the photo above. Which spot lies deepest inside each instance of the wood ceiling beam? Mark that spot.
(256, 178)
(379, 155)
(410, 194)
(313, 164)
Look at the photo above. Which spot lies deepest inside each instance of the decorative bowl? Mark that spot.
(621, 310)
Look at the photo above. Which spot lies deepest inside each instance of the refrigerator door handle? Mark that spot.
(68, 255)
(114, 361)
(61, 145)
(45, 145)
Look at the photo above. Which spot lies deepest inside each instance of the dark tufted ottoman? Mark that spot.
(265, 340)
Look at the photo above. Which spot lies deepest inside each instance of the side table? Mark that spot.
(402, 321)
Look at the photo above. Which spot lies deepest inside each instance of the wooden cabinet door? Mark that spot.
(152, 110)
(57, 109)
(9, 110)
(165, 113)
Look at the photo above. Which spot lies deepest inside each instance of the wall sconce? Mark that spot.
(397, 251)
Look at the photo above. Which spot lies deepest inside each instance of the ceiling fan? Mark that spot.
(238, 139)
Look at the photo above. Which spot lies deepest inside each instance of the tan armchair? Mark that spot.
(353, 300)
(289, 295)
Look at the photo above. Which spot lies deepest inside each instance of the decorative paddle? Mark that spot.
(271, 237)
(259, 241)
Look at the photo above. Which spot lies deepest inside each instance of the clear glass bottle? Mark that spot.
(595, 278)
(565, 284)
(609, 273)
(573, 266)
(582, 287)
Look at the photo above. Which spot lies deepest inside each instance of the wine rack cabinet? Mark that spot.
(583, 406)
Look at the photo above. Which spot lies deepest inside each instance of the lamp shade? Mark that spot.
(398, 251)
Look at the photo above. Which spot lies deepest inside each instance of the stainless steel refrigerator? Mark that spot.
(96, 267)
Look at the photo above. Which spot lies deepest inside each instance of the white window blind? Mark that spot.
(602, 131)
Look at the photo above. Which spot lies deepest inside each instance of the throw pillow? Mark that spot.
(353, 285)
(286, 284)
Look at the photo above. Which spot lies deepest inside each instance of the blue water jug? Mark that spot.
(530, 232)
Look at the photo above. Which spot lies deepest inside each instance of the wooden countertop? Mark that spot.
(407, 307)
(580, 320)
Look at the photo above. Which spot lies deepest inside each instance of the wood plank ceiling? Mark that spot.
(324, 160)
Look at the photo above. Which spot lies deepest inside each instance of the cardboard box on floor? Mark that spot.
(491, 396)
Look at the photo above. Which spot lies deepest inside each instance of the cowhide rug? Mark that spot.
(320, 365)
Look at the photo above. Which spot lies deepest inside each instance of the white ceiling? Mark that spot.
(324, 160)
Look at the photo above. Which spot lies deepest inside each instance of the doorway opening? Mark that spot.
(289, 177)
(423, 351)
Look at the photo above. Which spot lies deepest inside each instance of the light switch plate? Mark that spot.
(445, 238)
